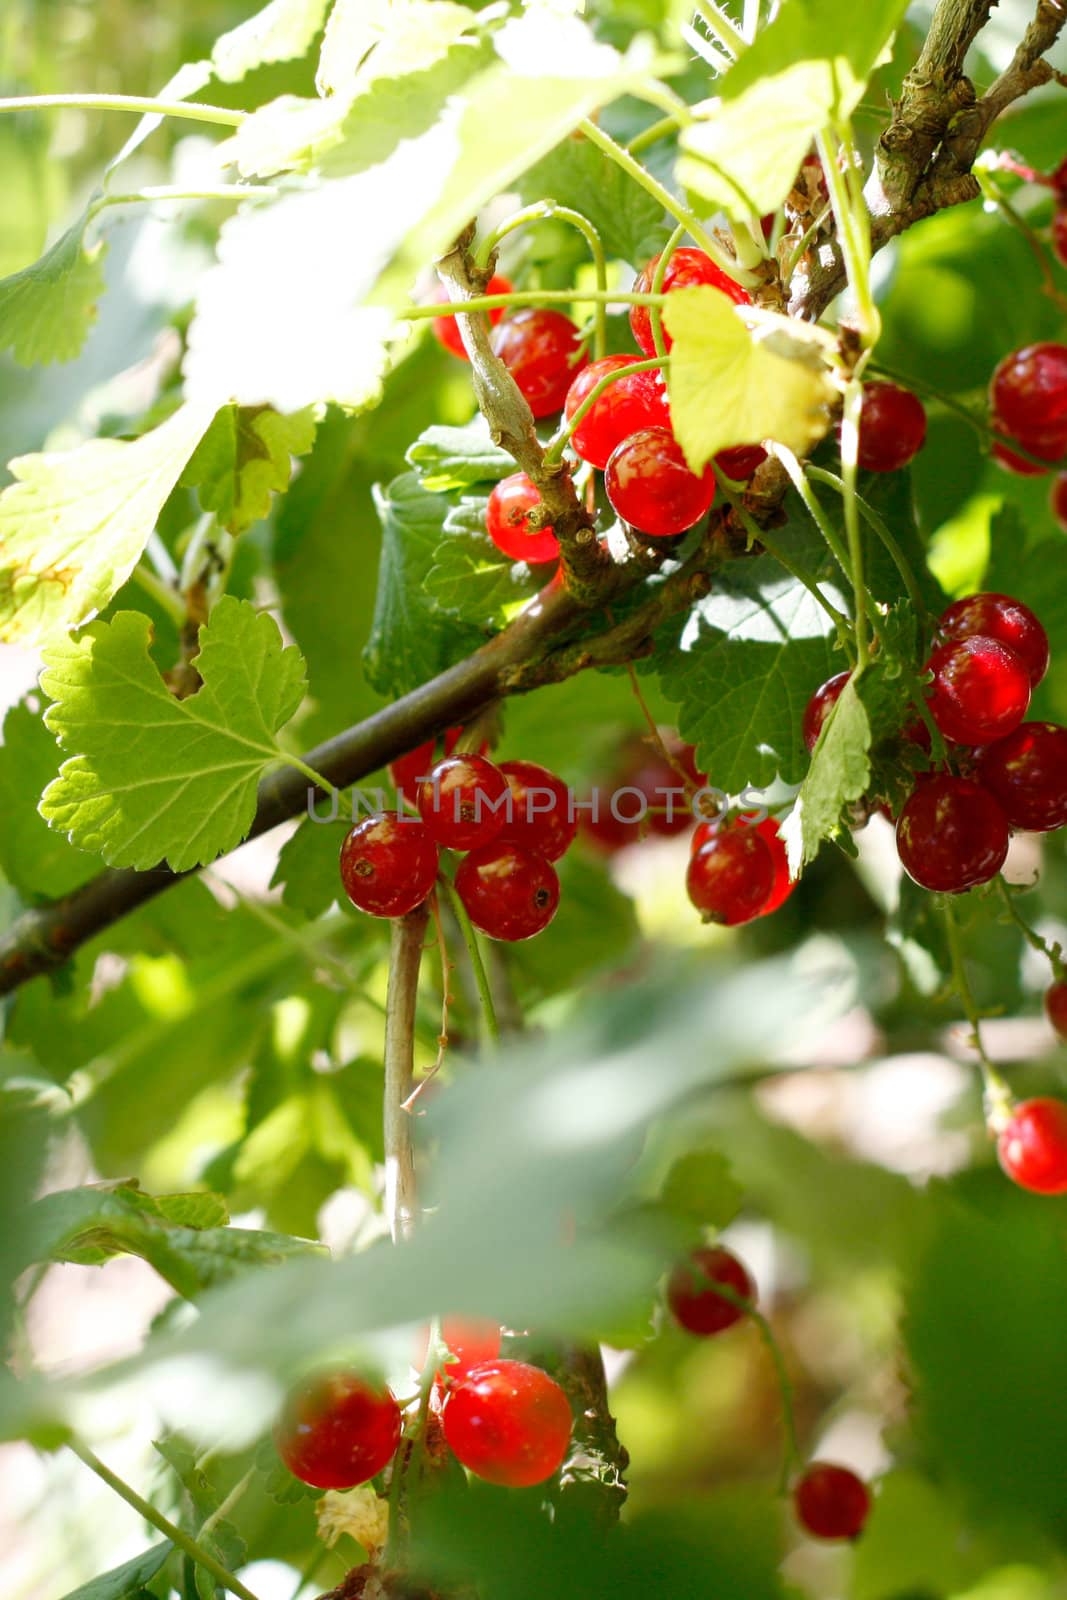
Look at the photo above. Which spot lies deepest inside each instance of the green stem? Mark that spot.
(223, 1509)
(554, 450)
(227, 191)
(803, 488)
(802, 245)
(1052, 953)
(523, 297)
(544, 211)
(853, 227)
(881, 528)
(184, 1541)
(167, 598)
(190, 110)
(998, 1095)
(470, 939)
(726, 32)
(950, 403)
(659, 130)
(656, 314)
(791, 1454)
(309, 772)
(850, 424)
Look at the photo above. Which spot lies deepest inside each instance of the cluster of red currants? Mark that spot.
(712, 1291)
(1028, 403)
(513, 821)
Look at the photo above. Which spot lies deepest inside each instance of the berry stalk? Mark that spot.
(405, 959)
(998, 1096)
(546, 211)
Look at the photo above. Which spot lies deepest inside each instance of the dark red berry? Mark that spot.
(831, 1502)
(767, 830)
(1027, 773)
(470, 1341)
(542, 817)
(1049, 445)
(730, 878)
(338, 1430)
(951, 834)
(686, 269)
(1056, 1006)
(892, 427)
(820, 705)
(446, 329)
(509, 1423)
(1028, 391)
(507, 520)
(980, 689)
(408, 771)
(1032, 1146)
(651, 488)
(463, 803)
(509, 893)
(741, 462)
(1058, 180)
(645, 793)
(1059, 235)
(693, 1291)
(1058, 499)
(542, 351)
(637, 401)
(998, 616)
(388, 865)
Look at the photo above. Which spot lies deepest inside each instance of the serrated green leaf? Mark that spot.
(244, 458)
(282, 31)
(47, 309)
(579, 175)
(307, 871)
(470, 579)
(851, 37)
(126, 1582)
(730, 385)
(74, 525)
(840, 772)
(153, 778)
(32, 856)
(701, 1187)
(454, 458)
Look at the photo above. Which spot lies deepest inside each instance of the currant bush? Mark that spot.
(980, 689)
(1027, 773)
(892, 427)
(632, 403)
(998, 616)
(686, 269)
(731, 878)
(463, 802)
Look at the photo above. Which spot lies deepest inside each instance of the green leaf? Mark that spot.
(47, 309)
(200, 1501)
(244, 458)
(33, 856)
(75, 525)
(729, 385)
(282, 31)
(126, 1582)
(912, 1542)
(701, 1188)
(365, 42)
(579, 175)
(307, 870)
(470, 579)
(851, 38)
(840, 773)
(153, 778)
(454, 458)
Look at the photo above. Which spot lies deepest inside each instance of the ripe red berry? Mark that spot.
(741, 462)
(1059, 235)
(892, 427)
(463, 801)
(1028, 391)
(470, 1341)
(408, 771)
(637, 401)
(1032, 1146)
(820, 705)
(507, 519)
(446, 329)
(692, 1291)
(1058, 499)
(510, 1423)
(646, 793)
(998, 616)
(1056, 1006)
(651, 488)
(980, 689)
(951, 834)
(1027, 773)
(1050, 447)
(542, 351)
(686, 269)
(542, 817)
(509, 893)
(730, 878)
(768, 830)
(388, 865)
(831, 1502)
(1058, 180)
(337, 1430)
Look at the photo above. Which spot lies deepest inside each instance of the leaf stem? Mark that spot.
(661, 129)
(224, 1507)
(791, 1452)
(167, 598)
(882, 529)
(470, 939)
(523, 297)
(190, 110)
(997, 1091)
(853, 227)
(407, 935)
(655, 316)
(546, 211)
(555, 449)
(726, 32)
(164, 191)
(850, 428)
(802, 485)
(1053, 953)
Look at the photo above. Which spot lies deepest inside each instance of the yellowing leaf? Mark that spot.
(731, 385)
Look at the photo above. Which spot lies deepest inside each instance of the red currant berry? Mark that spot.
(1058, 499)
(507, 519)
(768, 830)
(470, 1341)
(730, 878)
(408, 771)
(1049, 445)
(981, 689)
(693, 1291)
(1058, 180)
(509, 1423)
(1027, 773)
(542, 817)
(542, 351)
(686, 269)
(338, 1430)
(1056, 1006)
(651, 488)
(892, 427)
(1032, 1146)
(951, 834)
(509, 893)
(820, 705)
(388, 865)
(998, 616)
(647, 793)
(831, 1502)
(741, 462)
(446, 329)
(1059, 235)
(1028, 391)
(637, 401)
(463, 801)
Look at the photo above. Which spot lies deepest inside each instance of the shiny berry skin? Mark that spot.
(462, 803)
(1049, 445)
(892, 427)
(693, 1299)
(741, 461)
(637, 401)
(820, 705)
(509, 893)
(686, 269)
(509, 1423)
(388, 865)
(981, 689)
(1027, 773)
(408, 771)
(446, 329)
(1059, 235)
(1032, 1146)
(1058, 499)
(951, 834)
(470, 1341)
(1056, 1006)
(541, 810)
(831, 1502)
(1028, 391)
(730, 879)
(542, 351)
(651, 488)
(998, 616)
(768, 830)
(506, 519)
(337, 1430)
